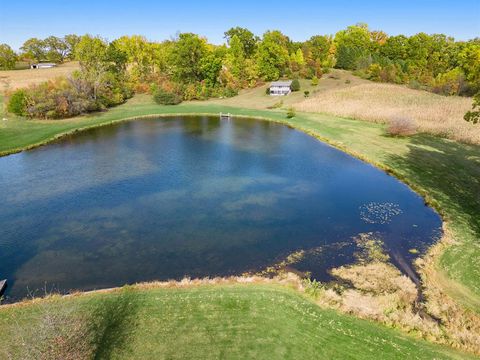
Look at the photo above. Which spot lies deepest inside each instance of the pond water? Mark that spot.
(193, 196)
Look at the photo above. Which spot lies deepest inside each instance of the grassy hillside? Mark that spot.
(234, 321)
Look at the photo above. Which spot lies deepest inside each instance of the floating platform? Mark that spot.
(3, 286)
(225, 116)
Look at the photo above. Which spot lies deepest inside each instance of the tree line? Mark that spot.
(189, 67)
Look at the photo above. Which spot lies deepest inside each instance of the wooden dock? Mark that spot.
(3, 286)
(225, 116)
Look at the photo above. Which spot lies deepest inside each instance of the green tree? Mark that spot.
(319, 47)
(235, 58)
(272, 55)
(56, 49)
(352, 44)
(71, 41)
(210, 66)
(17, 103)
(34, 49)
(295, 85)
(395, 48)
(469, 61)
(140, 54)
(186, 57)
(474, 115)
(246, 37)
(7, 57)
(91, 52)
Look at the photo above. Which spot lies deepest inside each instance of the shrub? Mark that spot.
(267, 91)
(229, 91)
(315, 81)
(474, 115)
(306, 93)
(163, 97)
(295, 85)
(18, 103)
(401, 126)
(291, 113)
(347, 81)
(277, 105)
(62, 97)
(414, 84)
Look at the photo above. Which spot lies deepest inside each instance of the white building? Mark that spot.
(280, 88)
(42, 66)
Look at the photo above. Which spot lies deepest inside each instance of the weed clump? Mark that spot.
(401, 126)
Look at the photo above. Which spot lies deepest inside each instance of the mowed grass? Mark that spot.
(445, 172)
(15, 79)
(236, 321)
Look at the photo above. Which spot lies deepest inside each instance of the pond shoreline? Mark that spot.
(435, 283)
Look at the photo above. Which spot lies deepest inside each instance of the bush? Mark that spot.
(315, 81)
(277, 105)
(62, 97)
(295, 85)
(163, 97)
(474, 115)
(229, 92)
(291, 113)
(18, 103)
(401, 126)
(306, 93)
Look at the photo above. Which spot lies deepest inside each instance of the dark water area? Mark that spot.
(193, 196)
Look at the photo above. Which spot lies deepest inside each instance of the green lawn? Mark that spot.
(211, 322)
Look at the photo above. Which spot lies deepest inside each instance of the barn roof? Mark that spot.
(286, 83)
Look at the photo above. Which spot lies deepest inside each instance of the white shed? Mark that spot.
(43, 66)
(280, 88)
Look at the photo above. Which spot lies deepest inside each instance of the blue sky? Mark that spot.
(299, 19)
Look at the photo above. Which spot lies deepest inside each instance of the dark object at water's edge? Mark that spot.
(3, 286)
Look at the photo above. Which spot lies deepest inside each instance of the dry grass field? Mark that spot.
(434, 114)
(15, 79)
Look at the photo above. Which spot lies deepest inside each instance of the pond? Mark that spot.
(194, 196)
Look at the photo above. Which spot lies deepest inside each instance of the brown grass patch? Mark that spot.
(15, 79)
(435, 114)
(378, 291)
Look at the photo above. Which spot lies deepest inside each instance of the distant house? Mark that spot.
(42, 65)
(280, 88)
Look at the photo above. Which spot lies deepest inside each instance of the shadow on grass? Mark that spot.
(450, 172)
(113, 323)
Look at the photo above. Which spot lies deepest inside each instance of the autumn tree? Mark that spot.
(140, 54)
(7, 57)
